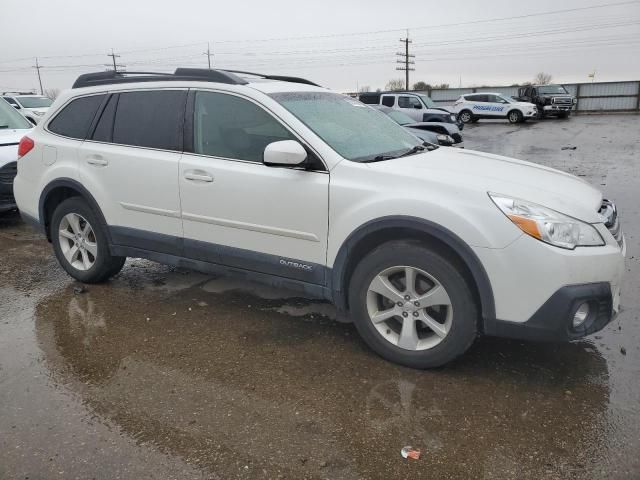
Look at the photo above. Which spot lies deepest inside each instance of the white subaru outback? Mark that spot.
(283, 181)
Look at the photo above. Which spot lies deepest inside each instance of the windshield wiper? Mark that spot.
(378, 158)
(411, 151)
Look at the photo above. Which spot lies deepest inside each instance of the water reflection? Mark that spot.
(228, 387)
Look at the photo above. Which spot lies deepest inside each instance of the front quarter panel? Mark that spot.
(361, 193)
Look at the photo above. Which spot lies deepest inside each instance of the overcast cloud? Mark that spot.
(324, 41)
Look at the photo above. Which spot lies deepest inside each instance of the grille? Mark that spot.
(610, 213)
(456, 137)
(562, 101)
(8, 173)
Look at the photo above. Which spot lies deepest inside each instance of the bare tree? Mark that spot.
(421, 86)
(395, 85)
(364, 89)
(542, 78)
(442, 86)
(52, 93)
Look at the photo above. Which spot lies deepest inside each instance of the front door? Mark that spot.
(237, 211)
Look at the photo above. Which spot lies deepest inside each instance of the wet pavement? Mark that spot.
(164, 373)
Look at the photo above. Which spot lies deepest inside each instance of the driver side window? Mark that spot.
(228, 126)
(409, 102)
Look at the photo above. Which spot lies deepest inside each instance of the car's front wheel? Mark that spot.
(413, 306)
(80, 243)
(465, 116)
(515, 116)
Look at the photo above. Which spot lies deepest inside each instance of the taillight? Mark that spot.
(25, 146)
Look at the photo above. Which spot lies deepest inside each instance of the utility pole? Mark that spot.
(115, 64)
(407, 61)
(208, 54)
(38, 67)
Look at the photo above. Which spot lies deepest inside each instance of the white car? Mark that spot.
(279, 180)
(13, 127)
(472, 107)
(32, 107)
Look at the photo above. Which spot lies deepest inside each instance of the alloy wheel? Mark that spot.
(409, 308)
(78, 241)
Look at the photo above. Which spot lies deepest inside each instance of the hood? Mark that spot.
(524, 104)
(9, 140)
(485, 172)
(425, 135)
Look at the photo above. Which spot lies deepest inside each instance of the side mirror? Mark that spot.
(417, 106)
(284, 153)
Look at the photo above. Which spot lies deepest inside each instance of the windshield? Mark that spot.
(399, 117)
(427, 101)
(10, 118)
(34, 102)
(551, 89)
(354, 130)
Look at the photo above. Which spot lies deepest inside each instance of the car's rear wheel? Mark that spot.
(465, 116)
(80, 243)
(515, 116)
(412, 306)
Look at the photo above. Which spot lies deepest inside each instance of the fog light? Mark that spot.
(581, 315)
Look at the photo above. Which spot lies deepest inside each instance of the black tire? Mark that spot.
(464, 324)
(105, 265)
(515, 116)
(465, 116)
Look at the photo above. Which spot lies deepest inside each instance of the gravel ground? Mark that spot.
(163, 373)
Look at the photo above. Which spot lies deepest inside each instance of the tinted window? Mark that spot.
(232, 127)
(409, 102)
(370, 99)
(150, 119)
(104, 129)
(75, 119)
(388, 101)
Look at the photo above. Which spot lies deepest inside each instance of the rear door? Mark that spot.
(236, 210)
(130, 164)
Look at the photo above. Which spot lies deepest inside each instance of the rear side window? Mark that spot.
(370, 99)
(388, 101)
(74, 120)
(409, 102)
(151, 119)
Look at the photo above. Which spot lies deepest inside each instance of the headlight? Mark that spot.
(574, 101)
(445, 140)
(548, 225)
(454, 119)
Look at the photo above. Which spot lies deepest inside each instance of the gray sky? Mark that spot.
(339, 44)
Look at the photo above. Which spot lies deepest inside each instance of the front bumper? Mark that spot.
(557, 108)
(530, 113)
(553, 321)
(536, 286)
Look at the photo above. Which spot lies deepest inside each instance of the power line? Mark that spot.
(115, 64)
(209, 55)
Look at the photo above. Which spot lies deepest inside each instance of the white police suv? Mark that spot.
(474, 106)
(279, 180)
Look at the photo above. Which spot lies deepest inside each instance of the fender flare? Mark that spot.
(77, 186)
(464, 251)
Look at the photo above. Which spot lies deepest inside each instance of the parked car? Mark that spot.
(417, 105)
(13, 127)
(472, 107)
(549, 99)
(443, 134)
(31, 106)
(278, 180)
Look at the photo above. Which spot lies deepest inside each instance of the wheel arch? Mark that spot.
(382, 230)
(59, 190)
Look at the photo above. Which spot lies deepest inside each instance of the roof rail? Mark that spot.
(184, 74)
(282, 78)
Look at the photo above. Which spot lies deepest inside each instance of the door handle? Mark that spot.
(198, 176)
(97, 160)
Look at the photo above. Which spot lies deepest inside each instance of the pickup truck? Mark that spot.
(552, 100)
